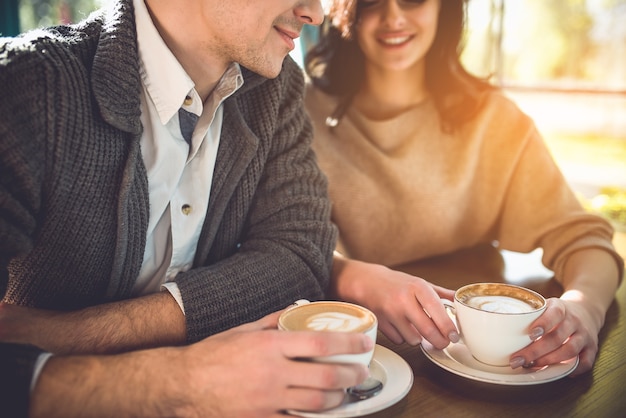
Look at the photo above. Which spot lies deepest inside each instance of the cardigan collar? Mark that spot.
(115, 73)
(115, 78)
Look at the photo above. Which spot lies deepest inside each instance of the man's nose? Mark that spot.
(310, 12)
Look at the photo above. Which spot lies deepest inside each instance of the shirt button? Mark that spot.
(185, 209)
(188, 101)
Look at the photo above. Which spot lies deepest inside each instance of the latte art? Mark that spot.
(494, 319)
(334, 321)
(332, 316)
(328, 316)
(499, 304)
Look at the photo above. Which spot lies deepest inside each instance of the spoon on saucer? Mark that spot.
(368, 388)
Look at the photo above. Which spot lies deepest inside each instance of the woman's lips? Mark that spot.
(394, 40)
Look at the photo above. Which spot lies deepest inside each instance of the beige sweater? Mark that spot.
(403, 190)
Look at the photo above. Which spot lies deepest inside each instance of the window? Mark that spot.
(560, 44)
(564, 63)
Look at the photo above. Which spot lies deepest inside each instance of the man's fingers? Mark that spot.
(320, 344)
(326, 376)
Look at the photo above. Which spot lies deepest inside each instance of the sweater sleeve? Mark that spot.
(21, 149)
(17, 363)
(274, 241)
(541, 210)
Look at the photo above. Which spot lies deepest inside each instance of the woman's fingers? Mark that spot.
(559, 335)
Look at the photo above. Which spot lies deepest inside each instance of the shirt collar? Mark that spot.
(164, 78)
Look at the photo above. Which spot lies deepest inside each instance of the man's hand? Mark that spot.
(250, 371)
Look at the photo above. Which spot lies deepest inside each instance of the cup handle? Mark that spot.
(449, 307)
(297, 303)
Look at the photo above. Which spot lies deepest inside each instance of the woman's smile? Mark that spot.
(394, 39)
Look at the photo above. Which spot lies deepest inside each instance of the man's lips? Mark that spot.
(288, 36)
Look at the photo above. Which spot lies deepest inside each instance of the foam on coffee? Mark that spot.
(500, 298)
(323, 316)
(500, 304)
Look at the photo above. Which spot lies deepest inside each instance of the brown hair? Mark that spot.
(336, 64)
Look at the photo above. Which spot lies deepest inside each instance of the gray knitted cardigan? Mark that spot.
(74, 192)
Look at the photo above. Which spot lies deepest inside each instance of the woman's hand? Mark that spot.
(408, 308)
(570, 325)
(565, 330)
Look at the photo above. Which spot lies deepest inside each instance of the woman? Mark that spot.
(425, 159)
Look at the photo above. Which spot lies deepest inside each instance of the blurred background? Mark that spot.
(562, 61)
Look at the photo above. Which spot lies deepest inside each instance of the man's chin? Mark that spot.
(268, 69)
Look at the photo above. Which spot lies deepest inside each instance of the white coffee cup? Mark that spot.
(333, 316)
(494, 319)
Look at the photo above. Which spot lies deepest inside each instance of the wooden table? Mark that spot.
(439, 393)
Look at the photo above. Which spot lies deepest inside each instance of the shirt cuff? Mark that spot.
(175, 292)
(41, 361)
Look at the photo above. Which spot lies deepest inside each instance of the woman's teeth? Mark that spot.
(395, 41)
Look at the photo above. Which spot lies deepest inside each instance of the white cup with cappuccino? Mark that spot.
(332, 316)
(494, 319)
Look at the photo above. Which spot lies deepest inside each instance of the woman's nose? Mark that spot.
(392, 13)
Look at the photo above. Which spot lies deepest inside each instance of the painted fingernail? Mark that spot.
(454, 337)
(535, 333)
(517, 362)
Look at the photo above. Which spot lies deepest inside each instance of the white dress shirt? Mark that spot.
(179, 175)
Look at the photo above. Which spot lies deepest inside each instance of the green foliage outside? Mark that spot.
(42, 13)
(595, 151)
(611, 204)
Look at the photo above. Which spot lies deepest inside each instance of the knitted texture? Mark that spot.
(403, 190)
(74, 190)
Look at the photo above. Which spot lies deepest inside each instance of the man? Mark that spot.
(126, 223)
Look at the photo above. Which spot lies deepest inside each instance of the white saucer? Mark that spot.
(457, 359)
(389, 368)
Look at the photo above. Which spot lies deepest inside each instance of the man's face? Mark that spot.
(257, 34)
